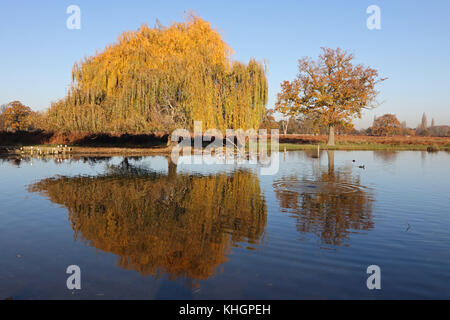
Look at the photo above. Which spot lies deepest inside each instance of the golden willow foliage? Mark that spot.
(164, 77)
(179, 225)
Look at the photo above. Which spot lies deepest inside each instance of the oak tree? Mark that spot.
(16, 116)
(332, 90)
(386, 125)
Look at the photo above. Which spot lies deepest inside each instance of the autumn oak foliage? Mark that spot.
(386, 125)
(16, 116)
(156, 79)
(330, 90)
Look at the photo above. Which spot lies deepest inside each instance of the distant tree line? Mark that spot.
(385, 125)
(388, 124)
(434, 130)
(301, 125)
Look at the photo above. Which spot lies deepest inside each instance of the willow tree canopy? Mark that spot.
(160, 78)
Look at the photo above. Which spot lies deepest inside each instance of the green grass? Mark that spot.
(361, 146)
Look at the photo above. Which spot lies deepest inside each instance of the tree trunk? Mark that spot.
(331, 136)
(330, 154)
(172, 169)
(285, 126)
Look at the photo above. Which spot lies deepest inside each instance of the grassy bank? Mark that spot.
(157, 143)
(308, 142)
(368, 146)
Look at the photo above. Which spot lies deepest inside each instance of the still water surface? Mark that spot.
(143, 228)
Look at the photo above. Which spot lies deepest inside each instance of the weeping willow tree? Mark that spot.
(156, 79)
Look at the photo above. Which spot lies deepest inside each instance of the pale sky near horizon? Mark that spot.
(411, 49)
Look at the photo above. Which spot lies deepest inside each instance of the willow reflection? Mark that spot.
(176, 224)
(332, 206)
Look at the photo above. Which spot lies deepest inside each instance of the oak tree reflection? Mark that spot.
(332, 205)
(176, 224)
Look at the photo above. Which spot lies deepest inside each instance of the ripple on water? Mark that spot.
(311, 186)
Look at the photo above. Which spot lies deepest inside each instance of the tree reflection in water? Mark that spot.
(332, 206)
(176, 224)
(386, 156)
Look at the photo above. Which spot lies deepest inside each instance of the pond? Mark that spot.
(145, 228)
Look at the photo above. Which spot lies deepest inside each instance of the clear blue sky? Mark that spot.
(412, 49)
